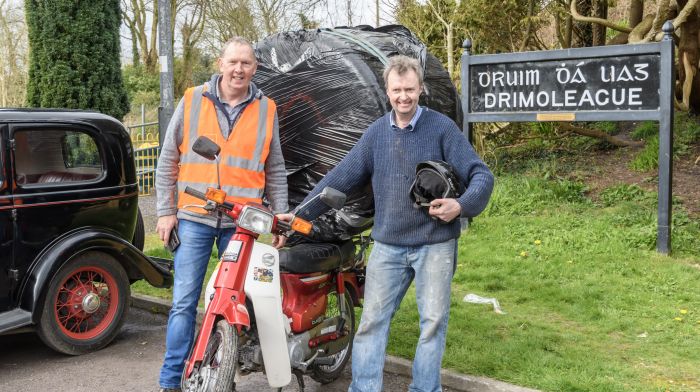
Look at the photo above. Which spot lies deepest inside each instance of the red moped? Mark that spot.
(278, 312)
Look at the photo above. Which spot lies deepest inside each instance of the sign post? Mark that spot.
(609, 83)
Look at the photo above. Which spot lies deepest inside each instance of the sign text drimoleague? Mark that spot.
(604, 83)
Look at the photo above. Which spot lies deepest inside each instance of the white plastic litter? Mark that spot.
(475, 299)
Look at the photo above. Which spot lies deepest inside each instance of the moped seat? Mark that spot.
(318, 257)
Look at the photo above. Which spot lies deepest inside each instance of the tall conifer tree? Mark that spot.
(75, 56)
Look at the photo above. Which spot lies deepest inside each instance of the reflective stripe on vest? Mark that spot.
(243, 154)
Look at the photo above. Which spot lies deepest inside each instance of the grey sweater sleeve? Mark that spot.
(168, 164)
(276, 174)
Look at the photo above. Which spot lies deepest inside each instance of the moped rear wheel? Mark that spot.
(218, 368)
(325, 374)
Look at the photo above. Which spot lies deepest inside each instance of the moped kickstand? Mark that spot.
(300, 379)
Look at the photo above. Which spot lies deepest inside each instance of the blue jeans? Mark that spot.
(191, 259)
(390, 270)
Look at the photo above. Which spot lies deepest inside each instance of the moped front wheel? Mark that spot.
(217, 370)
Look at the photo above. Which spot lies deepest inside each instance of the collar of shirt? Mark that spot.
(228, 107)
(411, 125)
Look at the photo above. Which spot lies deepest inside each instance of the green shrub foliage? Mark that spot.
(74, 56)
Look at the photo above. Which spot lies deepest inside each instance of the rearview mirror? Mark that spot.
(206, 148)
(333, 198)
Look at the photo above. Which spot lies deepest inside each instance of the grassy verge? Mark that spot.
(589, 305)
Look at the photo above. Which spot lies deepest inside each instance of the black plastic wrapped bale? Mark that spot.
(328, 86)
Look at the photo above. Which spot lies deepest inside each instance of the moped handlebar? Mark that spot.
(283, 227)
(195, 193)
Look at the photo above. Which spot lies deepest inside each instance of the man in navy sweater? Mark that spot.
(409, 244)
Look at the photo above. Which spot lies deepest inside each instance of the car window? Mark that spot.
(55, 156)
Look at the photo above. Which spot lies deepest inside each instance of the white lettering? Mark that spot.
(578, 77)
(498, 78)
(634, 98)
(487, 76)
(512, 78)
(586, 96)
(600, 102)
(532, 77)
(563, 75)
(489, 100)
(625, 75)
(527, 101)
(570, 97)
(639, 69)
(503, 98)
(554, 100)
(618, 100)
(602, 74)
(541, 102)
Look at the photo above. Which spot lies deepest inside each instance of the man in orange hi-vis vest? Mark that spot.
(231, 111)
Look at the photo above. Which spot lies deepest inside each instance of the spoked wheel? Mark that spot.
(218, 368)
(85, 304)
(328, 373)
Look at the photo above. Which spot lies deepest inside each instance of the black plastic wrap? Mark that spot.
(328, 86)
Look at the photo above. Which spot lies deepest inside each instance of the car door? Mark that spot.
(61, 185)
(7, 273)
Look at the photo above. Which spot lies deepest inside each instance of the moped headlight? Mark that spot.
(255, 219)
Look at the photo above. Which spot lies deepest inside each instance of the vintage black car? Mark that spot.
(69, 223)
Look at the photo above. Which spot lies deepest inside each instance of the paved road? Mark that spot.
(130, 363)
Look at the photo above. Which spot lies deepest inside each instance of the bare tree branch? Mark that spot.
(615, 141)
(603, 22)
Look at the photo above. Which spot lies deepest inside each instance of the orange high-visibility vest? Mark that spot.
(242, 157)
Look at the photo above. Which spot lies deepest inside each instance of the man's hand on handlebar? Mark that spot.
(278, 240)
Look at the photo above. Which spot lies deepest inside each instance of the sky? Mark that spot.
(332, 14)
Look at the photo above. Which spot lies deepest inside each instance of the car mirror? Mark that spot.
(333, 198)
(206, 148)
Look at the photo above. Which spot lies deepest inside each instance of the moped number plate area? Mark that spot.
(233, 250)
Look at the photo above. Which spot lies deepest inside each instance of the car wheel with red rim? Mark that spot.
(85, 304)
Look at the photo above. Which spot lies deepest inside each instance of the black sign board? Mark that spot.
(608, 83)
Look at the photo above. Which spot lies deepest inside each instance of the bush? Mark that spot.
(74, 58)
(142, 87)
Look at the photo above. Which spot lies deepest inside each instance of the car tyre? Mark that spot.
(139, 233)
(85, 304)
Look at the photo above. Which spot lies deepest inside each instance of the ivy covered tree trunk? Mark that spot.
(582, 31)
(74, 56)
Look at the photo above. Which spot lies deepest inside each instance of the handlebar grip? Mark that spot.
(283, 226)
(195, 193)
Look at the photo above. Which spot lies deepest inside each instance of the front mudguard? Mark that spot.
(262, 286)
(53, 257)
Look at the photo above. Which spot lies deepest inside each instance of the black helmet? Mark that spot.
(434, 180)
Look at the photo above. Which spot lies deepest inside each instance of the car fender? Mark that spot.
(55, 255)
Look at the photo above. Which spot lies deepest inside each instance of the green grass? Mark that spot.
(590, 306)
(686, 131)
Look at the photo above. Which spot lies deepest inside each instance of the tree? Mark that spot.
(444, 24)
(74, 56)
(141, 17)
(226, 19)
(685, 16)
(13, 62)
(191, 28)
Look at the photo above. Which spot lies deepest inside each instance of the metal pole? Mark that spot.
(165, 46)
(466, 125)
(143, 121)
(666, 79)
(377, 4)
(466, 96)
